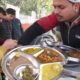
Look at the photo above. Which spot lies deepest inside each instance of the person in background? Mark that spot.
(5, 28)
(2, 26)
(7, 43)
(37, 28)
(17, 30)
(2, 14)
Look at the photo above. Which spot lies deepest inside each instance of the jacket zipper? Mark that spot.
(70, 27)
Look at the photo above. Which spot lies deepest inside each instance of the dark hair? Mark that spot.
(10, 11)
(2, 11)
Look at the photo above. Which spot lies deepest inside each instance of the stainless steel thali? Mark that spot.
(16, 58)
(20, 59)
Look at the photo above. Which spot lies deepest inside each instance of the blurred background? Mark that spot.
(28, 11)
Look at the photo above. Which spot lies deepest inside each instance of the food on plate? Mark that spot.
(49, 55)
(31, 50)
(27, 74)
(50, 71)
(75, 54)
(16, 60)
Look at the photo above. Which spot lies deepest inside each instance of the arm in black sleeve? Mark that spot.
(30, 34)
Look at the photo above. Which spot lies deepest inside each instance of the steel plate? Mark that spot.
(16, 58)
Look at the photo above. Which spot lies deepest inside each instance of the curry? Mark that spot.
(28, 74)
(75, 54)
(31, 51)
(49, 55)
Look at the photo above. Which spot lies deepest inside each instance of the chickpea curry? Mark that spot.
(48, 56)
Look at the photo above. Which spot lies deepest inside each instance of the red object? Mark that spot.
(25, 26)
(48, 22)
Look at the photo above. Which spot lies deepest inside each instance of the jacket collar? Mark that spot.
(75, 22)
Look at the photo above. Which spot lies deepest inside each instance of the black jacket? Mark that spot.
(5, 30)
(70, 34)
(30, 34)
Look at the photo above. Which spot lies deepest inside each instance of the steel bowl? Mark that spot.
(49, 54)
(20, 72)
(71, 60)
(42, 49)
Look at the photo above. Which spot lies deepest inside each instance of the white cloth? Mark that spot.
(67, 78)
(75, 1)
